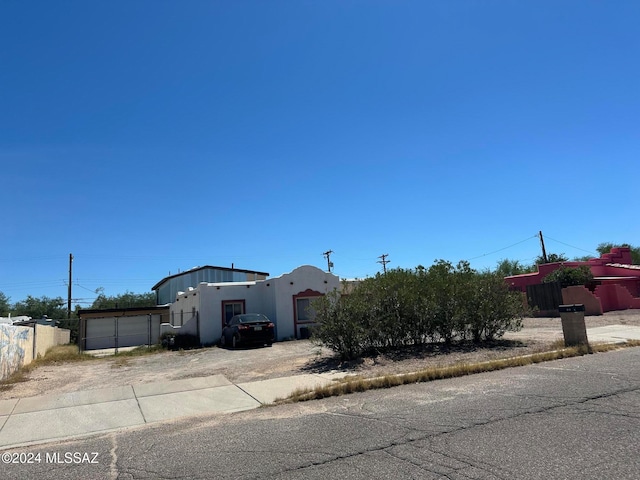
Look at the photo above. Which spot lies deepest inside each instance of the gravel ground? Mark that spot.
(285, 359)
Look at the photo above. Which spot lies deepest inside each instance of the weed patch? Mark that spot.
(121, 362)
(60, 354)
(57, 354)
(139, 351)
(12, 379)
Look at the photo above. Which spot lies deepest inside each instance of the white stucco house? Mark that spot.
(204, 309)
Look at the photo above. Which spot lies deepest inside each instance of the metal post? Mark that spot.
(35, 343)
(198, 326)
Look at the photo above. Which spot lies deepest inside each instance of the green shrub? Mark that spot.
(494, 309)
(341, 324)
(569, 276)
(412, 307)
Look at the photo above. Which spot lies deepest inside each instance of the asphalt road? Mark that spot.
(574, 418)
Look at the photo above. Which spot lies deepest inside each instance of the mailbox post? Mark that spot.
(573, 326)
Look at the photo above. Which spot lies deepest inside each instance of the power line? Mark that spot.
(505, 248)
(85, 288)
(572, 246)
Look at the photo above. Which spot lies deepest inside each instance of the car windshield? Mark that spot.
(252, 317)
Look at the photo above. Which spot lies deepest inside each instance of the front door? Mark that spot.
(231, 308)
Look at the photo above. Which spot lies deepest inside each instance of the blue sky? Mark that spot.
(147, 137)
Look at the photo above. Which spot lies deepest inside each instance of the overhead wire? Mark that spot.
(85, 288)
(504, 248)
(572, 246)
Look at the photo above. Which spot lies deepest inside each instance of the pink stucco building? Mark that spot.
(616, 283)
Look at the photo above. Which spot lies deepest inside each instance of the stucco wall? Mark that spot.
(273, 297)
(300, 280)
(182, 307)
(16, 348)
(212, 296)
(616, 297)
(617, 263)
(580, 294)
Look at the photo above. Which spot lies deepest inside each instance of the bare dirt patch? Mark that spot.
(285, 359)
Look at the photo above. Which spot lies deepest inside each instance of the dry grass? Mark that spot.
(121, 362)
(353, 384)
(57, 354)
(12, 379)
(608, 347)
(123, 359)
(142, 350)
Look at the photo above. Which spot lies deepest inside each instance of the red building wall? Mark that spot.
(620, 282)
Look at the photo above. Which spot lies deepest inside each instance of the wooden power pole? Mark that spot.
(544, 252)
(69, 290)
(383, 260)
(327, 255)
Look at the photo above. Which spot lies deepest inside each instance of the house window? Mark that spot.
(231, 308)
(304, 311)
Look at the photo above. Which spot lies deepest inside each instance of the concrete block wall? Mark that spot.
(62, 336)
(47, 337)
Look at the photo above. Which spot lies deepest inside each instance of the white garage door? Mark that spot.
(101, 333)
(112, 332)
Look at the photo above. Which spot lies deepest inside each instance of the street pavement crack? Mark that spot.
(440, 472)
(492, 469)
(113, 465)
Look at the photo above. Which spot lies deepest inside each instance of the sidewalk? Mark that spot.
(54, 417)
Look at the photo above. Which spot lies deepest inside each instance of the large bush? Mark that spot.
(569, 276)
(342, 323)
(493, 309)
(411, 307)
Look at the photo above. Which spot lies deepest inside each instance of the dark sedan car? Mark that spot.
(247, 328)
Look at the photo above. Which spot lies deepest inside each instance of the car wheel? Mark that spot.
(223, 340)
(234, 341)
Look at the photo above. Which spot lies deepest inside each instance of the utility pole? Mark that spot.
(383, 260)
(69, 290)
(327, 255)
(544, 252)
